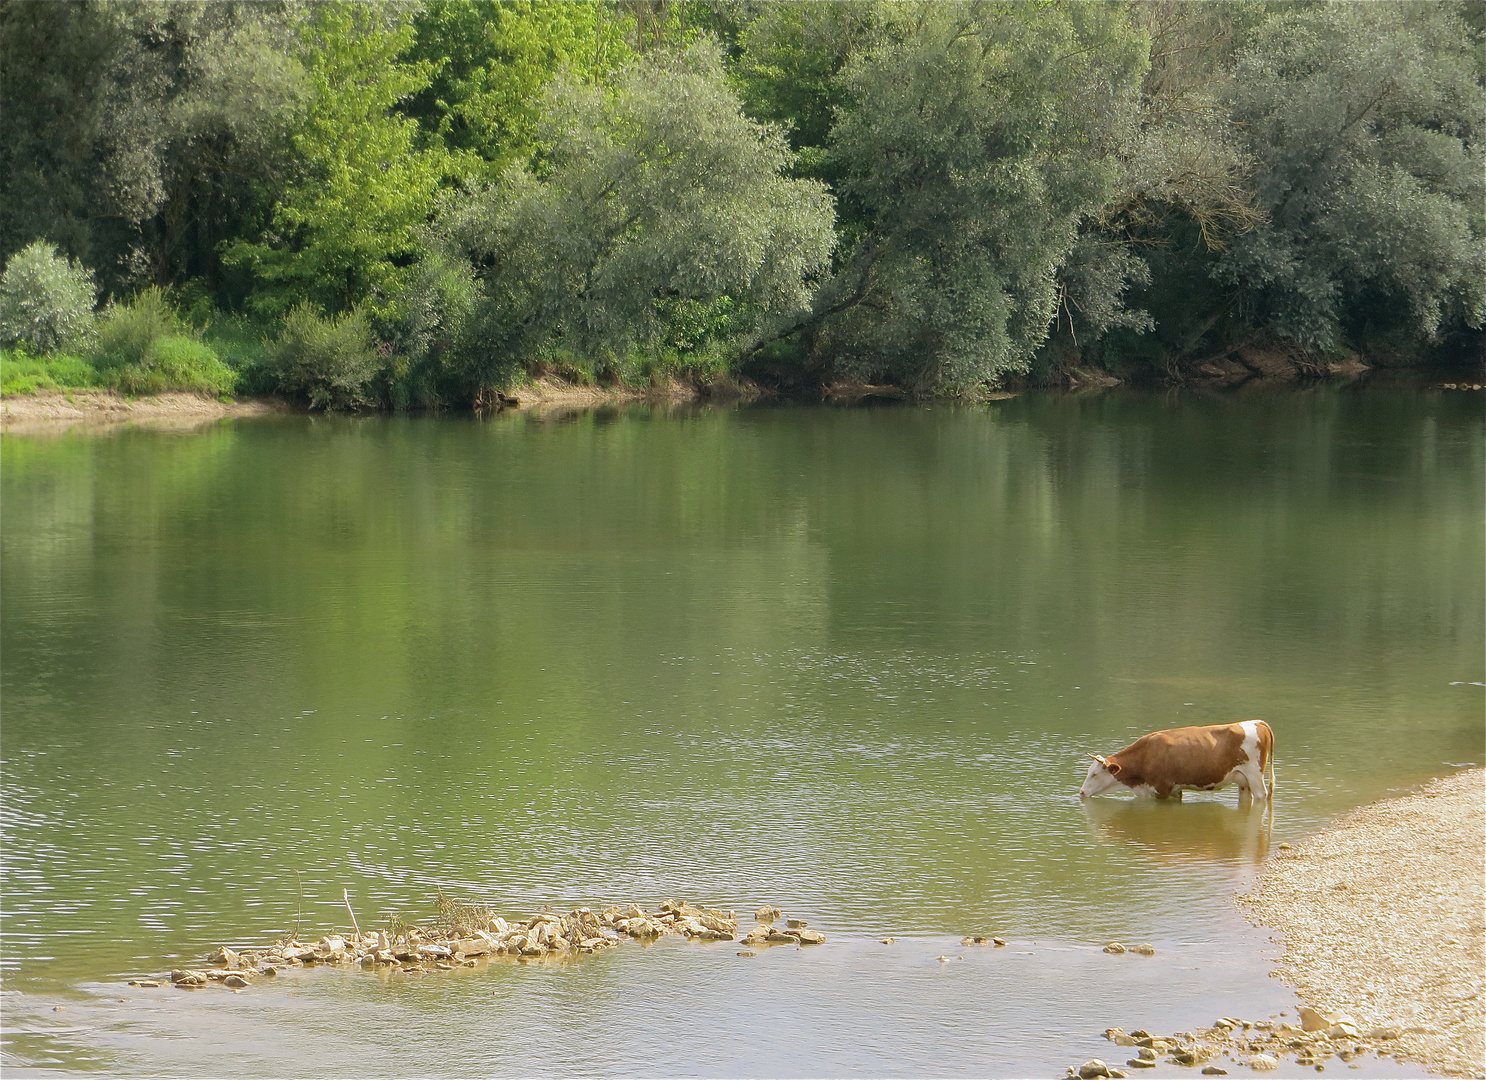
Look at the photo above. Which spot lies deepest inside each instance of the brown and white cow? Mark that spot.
(1166, 763)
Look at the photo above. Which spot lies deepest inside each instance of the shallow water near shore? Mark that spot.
(844, 661)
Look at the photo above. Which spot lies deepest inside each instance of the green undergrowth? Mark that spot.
(21, 373)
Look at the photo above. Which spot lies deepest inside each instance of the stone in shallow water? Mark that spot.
(1114, 947)
(1263, 1061)
(768, 914)
(1092, 1068)
(1140, 1063)
(1213, 1070)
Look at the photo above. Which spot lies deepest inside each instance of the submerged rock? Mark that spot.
(1114, 947)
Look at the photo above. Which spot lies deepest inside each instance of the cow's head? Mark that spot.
(1104, 775)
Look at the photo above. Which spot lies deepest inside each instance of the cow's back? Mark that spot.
(1187, 756)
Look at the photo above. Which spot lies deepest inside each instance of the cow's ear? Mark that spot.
(1113, 767)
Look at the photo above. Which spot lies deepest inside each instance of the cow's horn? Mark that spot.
(1094, 757)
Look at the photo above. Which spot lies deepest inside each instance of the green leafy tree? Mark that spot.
(490, 59)
(138, 136)
(1367, 122)
(351, 222)
(1142, 261)
(975, 138)
(659, 209)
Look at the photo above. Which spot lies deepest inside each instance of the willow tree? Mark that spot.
(1366, 120)
(973, 139)
(658, 219)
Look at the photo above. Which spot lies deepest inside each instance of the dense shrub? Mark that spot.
(46, 300)
(128, 332)
(144, 348)
(331, 362)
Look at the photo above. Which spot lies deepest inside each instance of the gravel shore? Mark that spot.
(1382, 916)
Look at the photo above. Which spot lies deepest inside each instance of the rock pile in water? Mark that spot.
(412, 950)
(1258, 1044)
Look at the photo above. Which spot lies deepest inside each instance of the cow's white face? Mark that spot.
(1099, 780)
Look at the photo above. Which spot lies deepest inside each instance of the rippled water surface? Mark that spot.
(844, 661)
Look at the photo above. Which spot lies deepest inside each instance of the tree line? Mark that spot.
(410, 205)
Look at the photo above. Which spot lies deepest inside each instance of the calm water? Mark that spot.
(844, 661)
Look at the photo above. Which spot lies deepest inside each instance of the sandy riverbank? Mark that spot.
(59, 411)
(1382, 917)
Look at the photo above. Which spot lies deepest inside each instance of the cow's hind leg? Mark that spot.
(1250, 782)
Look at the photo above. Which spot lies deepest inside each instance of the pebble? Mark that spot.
(1263, 1061)
(1140, 1063)
(748, 952)
(1114, 947)
(889, 940)
(1092, 1068)
(1144, 950)
(1213, 1070)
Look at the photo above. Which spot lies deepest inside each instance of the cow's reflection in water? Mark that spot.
(1209, 831)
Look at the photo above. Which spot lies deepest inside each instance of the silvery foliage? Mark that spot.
(978, 158)
(654, 188)
(46, 300)
(1367, 120)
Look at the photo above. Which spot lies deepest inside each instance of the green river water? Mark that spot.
(846, 661)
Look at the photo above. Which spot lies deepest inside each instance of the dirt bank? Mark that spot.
(1382, 917)
(58, 411)
(551, 393)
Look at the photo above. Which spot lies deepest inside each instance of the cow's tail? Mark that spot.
(1269, 753)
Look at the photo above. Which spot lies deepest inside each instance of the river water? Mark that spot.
(846, 661)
